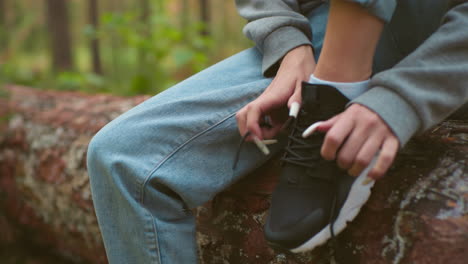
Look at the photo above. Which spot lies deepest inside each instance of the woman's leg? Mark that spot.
(174, 152)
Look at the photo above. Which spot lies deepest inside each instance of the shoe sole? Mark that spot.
(357, 197)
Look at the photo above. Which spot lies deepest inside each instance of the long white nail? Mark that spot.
(367, 181)
(263, 148)
(270, 141)
(311, 129)
(294, 110)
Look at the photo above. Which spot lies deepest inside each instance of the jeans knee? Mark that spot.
(106, 153)
(95, 158)
(115, 155)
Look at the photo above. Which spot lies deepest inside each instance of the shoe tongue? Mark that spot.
(323, 99)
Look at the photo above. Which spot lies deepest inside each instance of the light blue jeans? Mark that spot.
(174, 152)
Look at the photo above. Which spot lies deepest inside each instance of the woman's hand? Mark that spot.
(297, 66)
(355, 137)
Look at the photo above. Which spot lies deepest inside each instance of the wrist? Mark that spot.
(300, 57)
(350, 42)
(343, 73)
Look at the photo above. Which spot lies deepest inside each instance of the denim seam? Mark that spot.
(143, 184)
(154, 227)
(178, 148)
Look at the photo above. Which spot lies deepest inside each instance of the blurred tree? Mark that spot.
(145, 10)
(145, 18)
(142, 78)
(205, 16)
(93, 11)
(60, 35)
(3, 27)
(185, 17)
(2, 13)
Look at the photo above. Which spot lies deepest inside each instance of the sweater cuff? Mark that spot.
(277, 44)
(394, 110)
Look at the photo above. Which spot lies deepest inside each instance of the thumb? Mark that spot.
(253, 119)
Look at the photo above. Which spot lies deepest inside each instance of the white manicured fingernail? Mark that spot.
(270, 141)
(294, 110)
(263, 148)
(367, 181)
(311, 129)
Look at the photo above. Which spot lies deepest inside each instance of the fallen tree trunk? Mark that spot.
(416, 214)
(44, 186)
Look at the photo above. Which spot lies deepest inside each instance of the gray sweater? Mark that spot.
(420, 91)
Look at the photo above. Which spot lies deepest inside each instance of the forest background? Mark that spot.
(129, 47)
(123, 47)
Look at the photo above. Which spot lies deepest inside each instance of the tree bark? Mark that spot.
(93, 10)
(417, 214)
(60, 35)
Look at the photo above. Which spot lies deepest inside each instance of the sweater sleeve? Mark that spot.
(276, 27)
(429, 84)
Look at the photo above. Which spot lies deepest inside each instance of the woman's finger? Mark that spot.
(241, 118)
(365, 155)
(327, 124)
(335, 137)
(271, 132)
(254, 114)
(297, 95)
(354, 143)
(385, 159)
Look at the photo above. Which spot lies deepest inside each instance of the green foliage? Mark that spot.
(75, 81)
(146, 54)
(11, 73)
(139, 55)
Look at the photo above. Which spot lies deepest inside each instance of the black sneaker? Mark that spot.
(312, 193)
